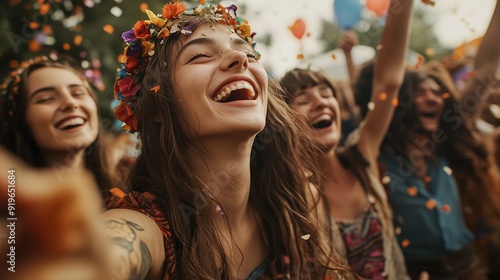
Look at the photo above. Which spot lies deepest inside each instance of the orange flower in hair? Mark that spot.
(141, 30)
(173, 10)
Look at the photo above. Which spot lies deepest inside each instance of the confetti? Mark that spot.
(445, 95)
(447, 170)
(44, 8)
(429, 2)
(117, 192)
(382, 96)
(386, 180)
(430, 51)
(77, 40)
(306, 236)
(445, 208)
(66, 46)
(34, 25)
(155, 89)
(108, 28)
(286, 259)
(405, 243)
(116, 11)
(395, 102)
(13, 63)
(34, 46)
(397, 230)
(412, 191)
(144, 7)
(334, 57)
(430, 204)
(300, 56)
(420, 59)
(379, 47)
(202, 2)
(370, 106)
(427, 179)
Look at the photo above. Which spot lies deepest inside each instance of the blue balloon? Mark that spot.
(347, 12)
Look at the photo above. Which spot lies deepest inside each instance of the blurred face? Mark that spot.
(319, 107)
(220, 84)
(60, 113)
(429, 105)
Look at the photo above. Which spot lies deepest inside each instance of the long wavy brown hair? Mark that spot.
(15, 134)
(278, 181)
(472, 163)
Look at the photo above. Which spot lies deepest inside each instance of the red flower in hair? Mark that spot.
(141, 30)
(172, 10)
(124, 114)
(131, 63)
(127, 87)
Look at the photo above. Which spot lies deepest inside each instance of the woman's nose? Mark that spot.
(234, 60)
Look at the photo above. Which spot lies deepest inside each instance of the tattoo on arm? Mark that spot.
(136, 258)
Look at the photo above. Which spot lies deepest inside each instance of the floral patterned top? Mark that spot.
(364, 246)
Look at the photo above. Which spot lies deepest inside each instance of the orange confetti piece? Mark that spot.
(108, 28)
(34, 46)
(47, 29)
(445, 208)
(420, 59)
(66, 46)
(300, 56)
(13, 63)
(412, 191)
(427, 179)
(202, 2)
(405, 243)
(430, 204)
(155, 89)
(77, 40)
(117, 192)
(382, 96)
(445, 95)
(395, 102)
(429, 2)
(101, 87)
(144, 7)
(34, 25)
(334, 57)
(44, 8)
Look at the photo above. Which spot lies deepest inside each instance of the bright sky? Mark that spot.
(456, 21)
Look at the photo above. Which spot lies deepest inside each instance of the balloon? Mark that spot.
(379, 7)
(347, 12)
(298, 28)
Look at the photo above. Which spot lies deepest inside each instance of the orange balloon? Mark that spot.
(298, 28)
(379, 7)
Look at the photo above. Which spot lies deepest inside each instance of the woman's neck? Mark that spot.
(226, 173)
(65, 160)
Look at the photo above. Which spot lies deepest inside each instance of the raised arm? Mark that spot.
(388, 77)
(136, 248)
(486, 62)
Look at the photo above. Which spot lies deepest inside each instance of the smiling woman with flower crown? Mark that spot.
(218, 190)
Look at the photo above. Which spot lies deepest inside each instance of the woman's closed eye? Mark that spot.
(198, 55)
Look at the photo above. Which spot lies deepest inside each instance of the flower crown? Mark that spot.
(140, 45)
(9, 89)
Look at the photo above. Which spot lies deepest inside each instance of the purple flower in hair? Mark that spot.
(134, 49)
(232, 8)
(128, 36)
